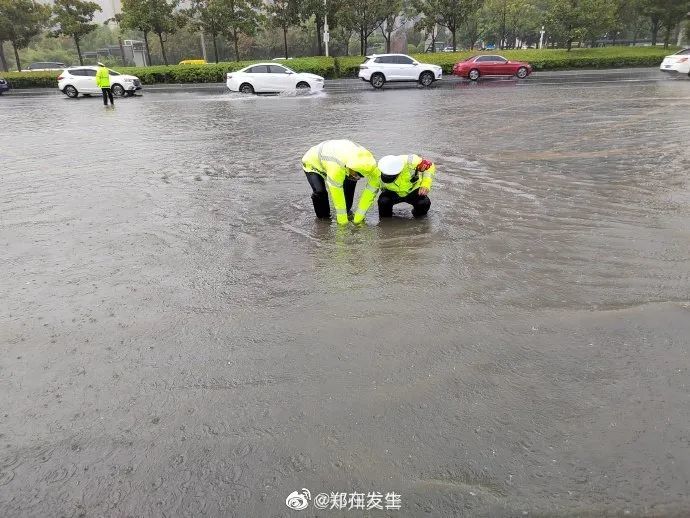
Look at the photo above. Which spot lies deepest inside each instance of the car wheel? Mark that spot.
(246, 88)
(377, 80)
(70, 91)
(426, 78)
(521, 72)
(303, 86)
(117, 90)
(474, 74)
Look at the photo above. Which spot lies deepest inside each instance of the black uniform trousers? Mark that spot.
(107, 94)
(320, 195)
(420, 204)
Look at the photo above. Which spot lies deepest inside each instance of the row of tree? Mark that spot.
(507, 23)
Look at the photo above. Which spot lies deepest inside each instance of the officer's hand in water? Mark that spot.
(423, 191)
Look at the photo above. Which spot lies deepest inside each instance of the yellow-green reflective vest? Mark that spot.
(102, 78)
(410, 179)
(330, 159)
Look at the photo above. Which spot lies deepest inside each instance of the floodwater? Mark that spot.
(180, 337)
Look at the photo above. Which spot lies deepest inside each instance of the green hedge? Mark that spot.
(544, 59)
(559, 59)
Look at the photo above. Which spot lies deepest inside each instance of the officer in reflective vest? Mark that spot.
(405, 178)
(335, 166)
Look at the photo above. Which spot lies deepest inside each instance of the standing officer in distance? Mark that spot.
(103, 82)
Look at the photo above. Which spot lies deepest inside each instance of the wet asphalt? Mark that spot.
(180, 336)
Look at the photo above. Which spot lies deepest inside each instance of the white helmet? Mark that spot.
(391, 166)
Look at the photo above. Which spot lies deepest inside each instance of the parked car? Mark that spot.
(381, 68)
(82, 80)
(678, 62)
(488, 65)
(271, 78)
(4, 86)
(45, 66)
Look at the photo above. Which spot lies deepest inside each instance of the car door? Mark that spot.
(258, 77)
(90, 81)
(80, 80)
(406, 68)
(501, 66)
(386, 64)
(489, 66)
(280, 78)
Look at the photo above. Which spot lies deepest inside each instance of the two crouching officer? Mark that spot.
(405, 179)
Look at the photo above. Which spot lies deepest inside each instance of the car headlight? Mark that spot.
(129, 80)
(319, 80)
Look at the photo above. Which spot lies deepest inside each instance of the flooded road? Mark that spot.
(180, 337)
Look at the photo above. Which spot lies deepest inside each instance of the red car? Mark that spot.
(486, 65)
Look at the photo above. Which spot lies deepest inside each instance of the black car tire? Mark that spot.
(303, 85)
(474, 74)
(521, 72)
(377, 80)
(246, 88)
(118, 90)
(426, 78)
(70, 92)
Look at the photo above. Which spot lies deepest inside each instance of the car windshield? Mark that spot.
(113, 73)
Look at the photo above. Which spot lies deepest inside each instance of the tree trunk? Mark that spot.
(569, 44)
(16, 57)
(388, 41)
(667, 36)
(215, 47)
(319, 31)
(148, 51)
(76, 43)
(655, 31)
(237, 48)
(160, 38)
(361, 42)
(433, 40)
(3, 61)
(455, 45)
(285, 30)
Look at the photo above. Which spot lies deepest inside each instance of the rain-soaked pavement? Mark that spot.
(180, 337)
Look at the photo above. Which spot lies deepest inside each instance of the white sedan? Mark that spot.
(271, 78)
(82, 80)
(678, 62)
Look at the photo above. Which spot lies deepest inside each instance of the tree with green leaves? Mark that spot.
(366, 17)
(452, 14)
(283, 14)
(135, 16)
(74, 18)
(427, 20)
(20, 20)
(165, 19)
(579, 20)
(209, 17)
(666, 14)
(393, 20)
(242, 17)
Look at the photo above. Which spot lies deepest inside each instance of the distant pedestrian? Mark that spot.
(103, 82)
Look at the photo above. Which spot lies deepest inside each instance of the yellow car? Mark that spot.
(193, 62)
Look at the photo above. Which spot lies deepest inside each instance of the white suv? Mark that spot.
(82, 80)
(379, 68)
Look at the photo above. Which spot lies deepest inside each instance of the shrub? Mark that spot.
(348, 66)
